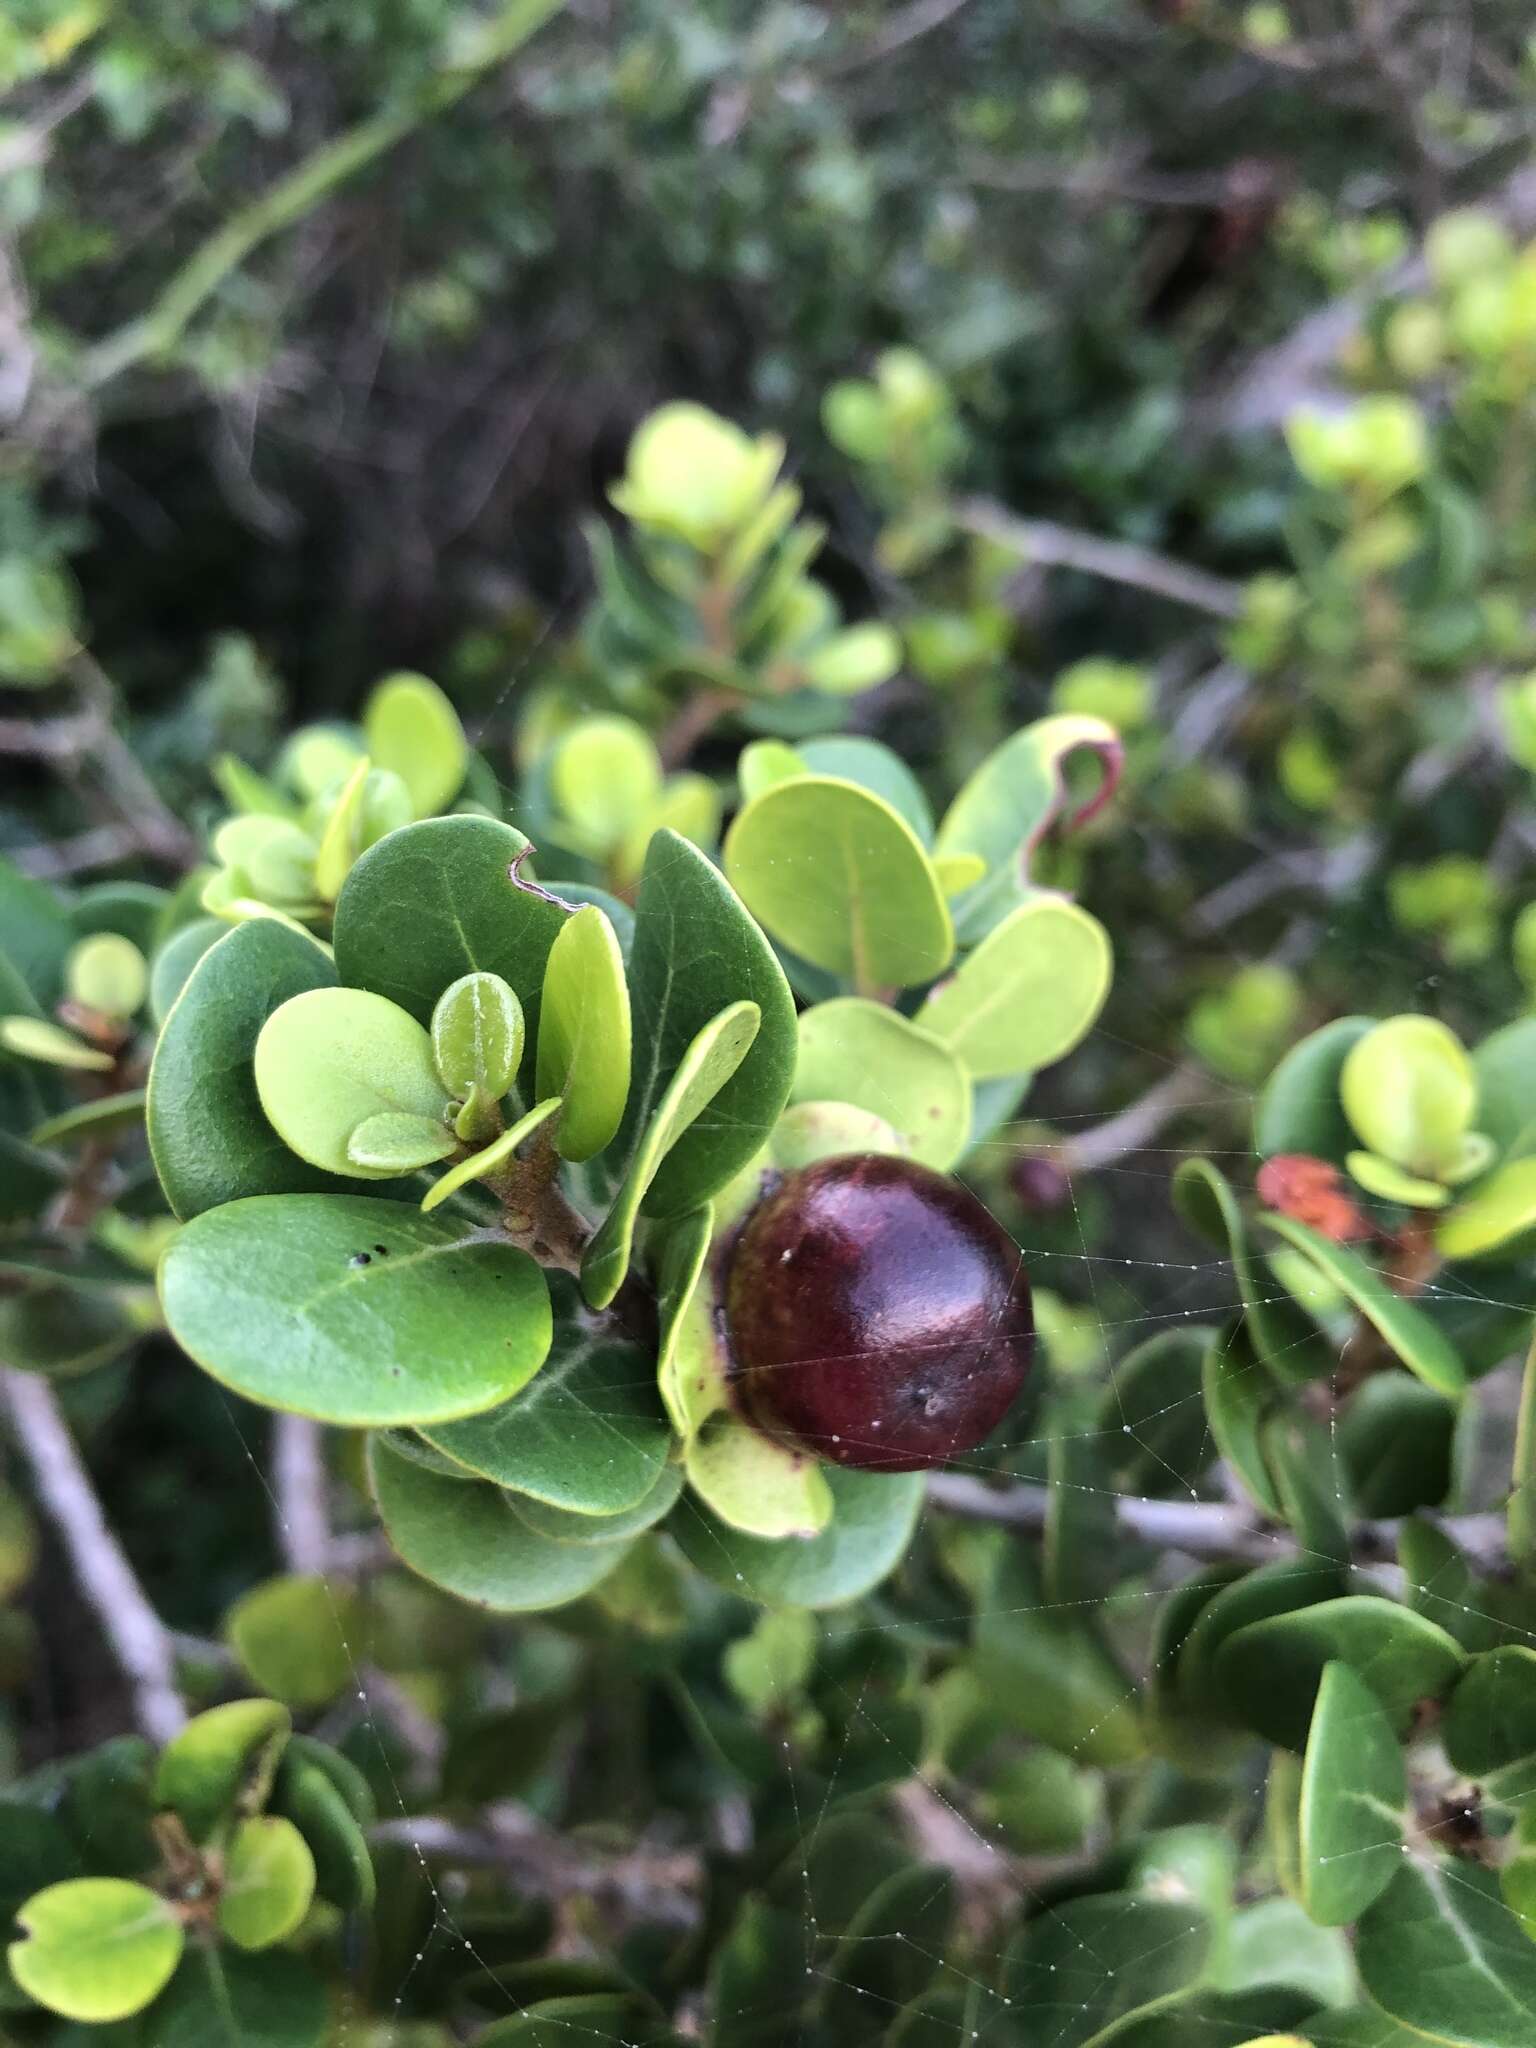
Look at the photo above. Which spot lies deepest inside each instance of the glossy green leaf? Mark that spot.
(563, 1526)
(1284, 1587)
(469, 1540)
(1442, 1953)
(703, 1071)
(1520, 1514)
(96, 1948)
(271, 2000)
(862, 1053)
(1029, 993)
(1153, 1435)
(1397, 1441)
(889, 1952)
(842, 880)
(1049, 1671)
(1285, 1338)
(334, 1059)
(411, 729)
(98, 1119)
(310, 1796)
(218, 1757)
(268, 1882)
(1085, 1966)
(1412, 1336)
(1299, 1108)
(477, 1036)
(291, 1634)
(353, 1310)
(873, 1519)
(1505, 1067)
(1270, 1671)
(1239, 1395)
(587, 1434)
(1353, 1793)
(696, 951)
(210, 1138)
(1006, 807)
(1490, 1721)
(754, 1484)
(436, 901)
(584, 1034)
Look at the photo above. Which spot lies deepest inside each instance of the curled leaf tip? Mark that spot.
(529, 886)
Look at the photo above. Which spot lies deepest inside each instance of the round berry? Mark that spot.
(876, 1314)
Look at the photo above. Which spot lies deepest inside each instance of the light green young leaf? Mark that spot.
(753, 1483)
(1409, 1090)
(219, 1758)
(107, 972)
(605, 775)
(490, 1158)
(35, 1038)
(584, 1034)
(477, 1037)
(291, 1633)
(411, 729)
(705, 1067)
(867, 1055)
(329, 1061)
(835, 874)
(268, 1882)
(96, 1949)
(1502, 1210)
(1030, 991)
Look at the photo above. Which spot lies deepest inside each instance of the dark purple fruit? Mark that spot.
(876, 1315)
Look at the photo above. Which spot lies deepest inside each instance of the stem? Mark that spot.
(662, 1883)
(1200, 1528)
(159, 329)
(135, 1633)
(1042, 543)
(1135, 1126)
(299, 1486)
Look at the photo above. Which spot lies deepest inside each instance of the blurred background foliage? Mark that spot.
(1165, 363)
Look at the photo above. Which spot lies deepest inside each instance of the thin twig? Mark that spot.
(1044, 544)
(299, 1485)
(138, 1638)
(1328, 871)
(1199, 1528)
(918, 18)
(1135, 1126)
(103, 846)
(661, 1883)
